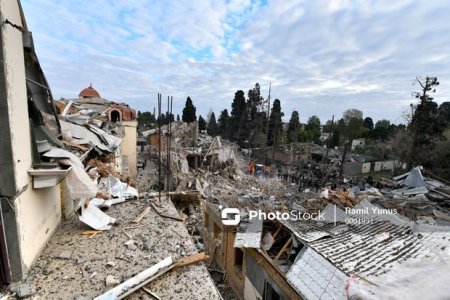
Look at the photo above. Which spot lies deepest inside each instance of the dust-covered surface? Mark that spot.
(74, 265)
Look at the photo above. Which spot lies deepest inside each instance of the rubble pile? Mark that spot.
(89, 148)
(129, 238)
(410, 195)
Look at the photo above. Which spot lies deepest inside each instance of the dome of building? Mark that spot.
(89, 92)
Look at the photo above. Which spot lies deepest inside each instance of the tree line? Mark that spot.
(249, 123)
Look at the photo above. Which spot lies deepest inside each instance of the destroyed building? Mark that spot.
(331, 258)
(44, 148)
(118, 118)
(64, 163)
(81, 221)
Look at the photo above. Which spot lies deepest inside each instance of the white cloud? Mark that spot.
(322, 57)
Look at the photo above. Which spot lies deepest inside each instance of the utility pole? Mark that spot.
(159, 147)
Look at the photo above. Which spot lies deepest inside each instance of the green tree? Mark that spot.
(162, 119)
(275, 133)
(313, 124)
(201, 123)
(224, 121)
(238, 119)
(169, 118)
(368, 123)
(352, 127)
(257, 118)
(426, 127)
(212, 125)
(293, 127)
(178, 118)
(189, 112)
(381, 130)
(444, 113)
(312, 130)
(145, 120)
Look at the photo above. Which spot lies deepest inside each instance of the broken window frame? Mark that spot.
(285, 244)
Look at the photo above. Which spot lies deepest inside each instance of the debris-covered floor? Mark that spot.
(74, 265)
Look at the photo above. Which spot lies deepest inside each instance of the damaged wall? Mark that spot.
(261, 274)
(219, 240)
(33, 215)
(129, 146)
(38, 213)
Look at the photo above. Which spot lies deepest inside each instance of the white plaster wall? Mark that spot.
(118, 158)
(129, 145)
(366, 168)
(377, 166)
(16, 91)
(38, 215)
(38, 212)
(250, 292)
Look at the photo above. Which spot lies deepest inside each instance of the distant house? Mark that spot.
(358, 143)
(324, 136)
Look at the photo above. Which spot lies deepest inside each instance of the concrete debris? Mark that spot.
(25, 290)
(131, 245)
(136, 282)
(66, 254)
(111, 264)
(111, 281)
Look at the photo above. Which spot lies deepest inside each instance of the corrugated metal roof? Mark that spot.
(314, 277)
(249, 234)
(369, 249)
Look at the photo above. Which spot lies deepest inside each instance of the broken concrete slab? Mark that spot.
(25, 290)
(66, 254)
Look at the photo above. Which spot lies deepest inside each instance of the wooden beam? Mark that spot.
(271, 262)
(165, 215)
(71, 144)
(90, 232)
(151, 293)
(283, 249)
(278, 231)
(193, 259)
(141, 215)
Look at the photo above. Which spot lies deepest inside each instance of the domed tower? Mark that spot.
(89, 92)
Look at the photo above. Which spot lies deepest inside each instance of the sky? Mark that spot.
(321, 57)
